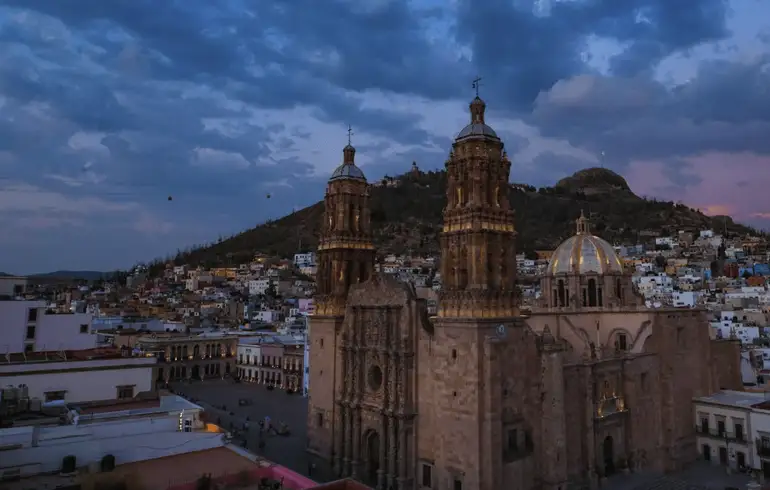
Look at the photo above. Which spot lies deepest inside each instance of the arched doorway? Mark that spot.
(196, 372)
(608, 452)
(372, 456)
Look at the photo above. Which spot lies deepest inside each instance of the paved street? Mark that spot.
(699, 476)
(220, 399)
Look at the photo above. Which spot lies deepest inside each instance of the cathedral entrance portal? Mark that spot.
(608, 452)
(372, 456)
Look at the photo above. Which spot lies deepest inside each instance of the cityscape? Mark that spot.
(440, 323)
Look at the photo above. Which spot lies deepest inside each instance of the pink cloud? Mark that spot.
(722, 183)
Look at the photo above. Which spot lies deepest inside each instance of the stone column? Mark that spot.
(403, 472)
(553, 434)
(393, 451)
(339, 438)
(355, 460)
(383, 456)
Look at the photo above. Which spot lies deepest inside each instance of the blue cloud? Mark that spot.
(107, 108)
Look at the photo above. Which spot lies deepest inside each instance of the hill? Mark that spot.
(70, 275)
(407, 218)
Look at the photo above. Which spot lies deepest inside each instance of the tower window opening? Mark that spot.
(592, 290)
(617, 288)
(600, 297)
(562, 293)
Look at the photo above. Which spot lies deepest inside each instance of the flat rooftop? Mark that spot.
(734, 398)
(180, 469)
(64, 356)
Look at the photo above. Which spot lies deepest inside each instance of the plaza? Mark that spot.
(220, 399)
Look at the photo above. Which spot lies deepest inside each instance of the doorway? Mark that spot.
(196, 372)
(608, 451)
(372, 456)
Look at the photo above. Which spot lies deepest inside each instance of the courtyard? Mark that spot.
(220, 399)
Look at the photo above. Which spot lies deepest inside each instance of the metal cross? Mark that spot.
(477, 84)
(350, 133)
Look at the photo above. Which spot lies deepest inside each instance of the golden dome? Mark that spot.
(584, 253)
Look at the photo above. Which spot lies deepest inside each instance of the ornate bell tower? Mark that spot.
(477, 313)
(478, 258)
(345, 257)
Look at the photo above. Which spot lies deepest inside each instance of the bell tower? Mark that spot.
(477, 311)
(478, 258)
(345, 257)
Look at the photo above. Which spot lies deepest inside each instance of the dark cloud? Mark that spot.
(725, 108)
(175, 93)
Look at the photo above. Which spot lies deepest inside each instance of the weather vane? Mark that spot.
(477, 84)
(350, 134)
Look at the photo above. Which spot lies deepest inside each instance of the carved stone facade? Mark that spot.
(483, 398)
(478, 266)
(345, 258)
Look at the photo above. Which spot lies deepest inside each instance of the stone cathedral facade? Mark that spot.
(485, 396)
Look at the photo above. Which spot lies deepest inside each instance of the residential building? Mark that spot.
(190, 357)
(733, 430)
(11, 286)
(25, 326)
(78, 376)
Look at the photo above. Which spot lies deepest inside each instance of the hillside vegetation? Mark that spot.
(407, 218)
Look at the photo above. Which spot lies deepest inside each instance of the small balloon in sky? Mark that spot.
(170, 198)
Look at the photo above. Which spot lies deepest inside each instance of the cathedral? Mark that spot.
(486, 395)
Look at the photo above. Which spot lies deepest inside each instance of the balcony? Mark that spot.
(763, 450)
(715, 433)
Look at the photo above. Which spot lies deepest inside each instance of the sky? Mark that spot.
(108, 108)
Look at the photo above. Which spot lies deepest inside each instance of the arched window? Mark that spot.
(562, 293)
(592, 293)
(617, 289)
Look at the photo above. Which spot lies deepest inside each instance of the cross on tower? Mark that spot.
(477, 84)
(350, 133)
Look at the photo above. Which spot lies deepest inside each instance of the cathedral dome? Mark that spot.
(348, 169)
(477, 126)
(585, 253)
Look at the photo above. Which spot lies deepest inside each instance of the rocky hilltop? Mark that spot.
(407, 218)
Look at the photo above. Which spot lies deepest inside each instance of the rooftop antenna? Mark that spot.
(601, 159)
(477, 84)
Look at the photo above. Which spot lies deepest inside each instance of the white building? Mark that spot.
(13, 286)
(26, 327)
(78, 376)
(733, 430)
(128, 432)
(304, 259)
(260, 286)
(684, 299)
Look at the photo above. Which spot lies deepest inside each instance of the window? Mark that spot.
(31, 333)
(738, 431)
(84, 328)
(319, 419)
(18, 289)
(32, 315)
(622, 342)
(125, 392)
(723, 456)
(706, 452)
(512, 440)
(740, 459)
(321, 343)
(720, 428)
(52, 396)
(458, 485)
(704, 425)
(29, 348)
(427, 476)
